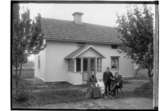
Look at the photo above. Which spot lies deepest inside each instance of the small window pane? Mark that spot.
(85, 64)
(92, 62)
(78, 64)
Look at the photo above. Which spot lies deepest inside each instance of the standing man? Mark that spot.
(107, 76)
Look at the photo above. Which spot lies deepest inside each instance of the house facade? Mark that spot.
(75, 50)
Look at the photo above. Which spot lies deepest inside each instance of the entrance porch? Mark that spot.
(86, 60)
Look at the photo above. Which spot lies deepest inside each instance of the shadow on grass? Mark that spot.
(145, 90)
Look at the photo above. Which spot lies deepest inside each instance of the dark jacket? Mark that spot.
(107, 76)
(93, 79)
(119, 81)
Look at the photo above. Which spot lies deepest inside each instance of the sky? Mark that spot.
(101, 14)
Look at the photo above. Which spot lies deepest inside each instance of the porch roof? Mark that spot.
(81, 50)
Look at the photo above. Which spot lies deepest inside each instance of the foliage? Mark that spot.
(23, 94)
(137, 36)
(27, 38)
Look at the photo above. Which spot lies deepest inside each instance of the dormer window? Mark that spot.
(114, 46)
(80, 44)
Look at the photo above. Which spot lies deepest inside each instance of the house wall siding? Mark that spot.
(40, 72)
(56, 65)
(56, 68)
(75, 78)
(125, 64)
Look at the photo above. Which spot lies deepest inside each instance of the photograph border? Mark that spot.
(155, 44)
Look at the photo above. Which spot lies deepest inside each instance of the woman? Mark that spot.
(95, 91)
(93, 80)
(118, 83)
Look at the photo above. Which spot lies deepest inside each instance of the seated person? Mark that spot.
(118, 83)
(92, 80)
(95, 90)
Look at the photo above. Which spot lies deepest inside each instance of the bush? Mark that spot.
(22, 92)
(22, 96)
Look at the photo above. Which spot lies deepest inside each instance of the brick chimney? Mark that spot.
(77, 17)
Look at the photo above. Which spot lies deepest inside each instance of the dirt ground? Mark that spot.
(125, 102)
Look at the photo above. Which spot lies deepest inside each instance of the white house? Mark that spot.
(74, 50)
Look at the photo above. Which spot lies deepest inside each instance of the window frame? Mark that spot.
(83, 64)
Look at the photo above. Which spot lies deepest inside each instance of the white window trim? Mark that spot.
(75, 65)
(81, 65)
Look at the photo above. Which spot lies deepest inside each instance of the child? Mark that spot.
(100, 84)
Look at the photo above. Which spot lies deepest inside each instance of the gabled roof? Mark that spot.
(80, 51)
(62, 30)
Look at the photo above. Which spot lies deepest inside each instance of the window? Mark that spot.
(99, 64)
(85, 65)
(78, 64)
(71, 65)
(38, 62)
(115, 62)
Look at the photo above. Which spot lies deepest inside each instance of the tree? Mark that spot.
(136, 30)
(27, 38)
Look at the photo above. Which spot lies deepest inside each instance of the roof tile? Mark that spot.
(54, 29)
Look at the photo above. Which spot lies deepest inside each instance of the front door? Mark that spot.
(88, 68)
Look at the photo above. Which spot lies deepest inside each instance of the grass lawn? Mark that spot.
(53, 93)
(47, 93)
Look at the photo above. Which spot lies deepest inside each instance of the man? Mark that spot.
(107, 76)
